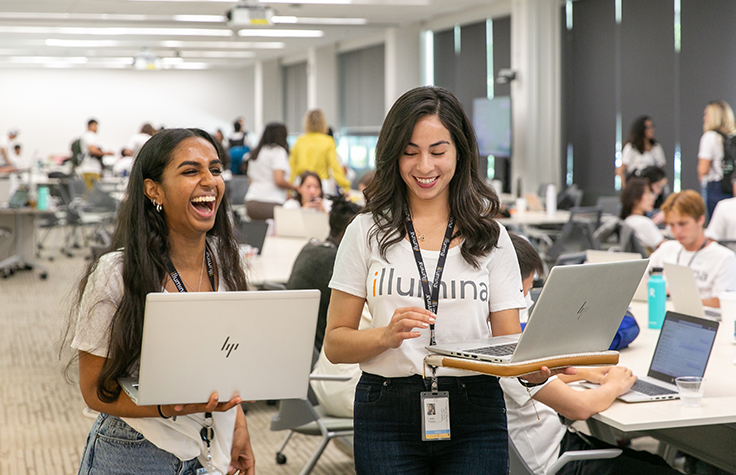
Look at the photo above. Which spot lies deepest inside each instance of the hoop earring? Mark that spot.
(156, 205)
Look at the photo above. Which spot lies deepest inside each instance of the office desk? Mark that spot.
(21, 222)
(275, 262)
(535, 218)
(707, 432)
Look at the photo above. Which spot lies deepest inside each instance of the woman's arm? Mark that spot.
(242, 457)
(621, 172)
(505, 322)
(89, 370)
(344, 343)
(703, 167)
(280, 181)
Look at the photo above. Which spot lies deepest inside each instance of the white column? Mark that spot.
(536, 57)
(322, 81)
(268, 103)
(402, 61)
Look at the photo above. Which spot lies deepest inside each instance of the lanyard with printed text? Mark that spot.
(431, 296)
(176, 279)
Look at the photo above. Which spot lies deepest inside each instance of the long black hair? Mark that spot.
(636, 136)
(274, 134)
(632, 194)
(473, 203)
(141, 235)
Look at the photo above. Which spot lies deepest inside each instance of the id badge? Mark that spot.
(435, 415)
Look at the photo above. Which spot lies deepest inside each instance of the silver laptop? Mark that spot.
(593, 256)
(303, 223)
(683, 349)
(257, 345)
(684, 292)
(578, 311)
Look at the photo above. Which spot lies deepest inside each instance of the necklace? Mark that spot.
(201, 270)
(422, 237)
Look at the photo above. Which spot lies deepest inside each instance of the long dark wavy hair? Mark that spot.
(274, 134)
(632, 194)
(636, 136)
(473, 203)
(142, 236)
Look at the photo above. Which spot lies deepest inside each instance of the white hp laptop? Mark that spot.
(257, 345)
(683, 349)
(684, 292)
(578, 311)
(593, 256)
(303, 223)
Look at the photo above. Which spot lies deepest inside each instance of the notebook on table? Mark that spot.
(684, 292)
(257, 345)
(593, 256)
(300, 222)
(573, 322)
(683, 349)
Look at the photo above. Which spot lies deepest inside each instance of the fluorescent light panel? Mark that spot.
(318, 21)
(275, 33)
(115, 31)
(165, 44)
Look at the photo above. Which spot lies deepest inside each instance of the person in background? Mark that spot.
(427, 194)
(238, 146)
(641, 149)
(637, 199)
(722, 226)
(718, 122)
(531, 267)
(536, 429)
(309, 194)
(315, 151)
(239, 136)
(714, 266)
(658, 182)
(91, 166)
(268, 173)
(176, 214)
(137, 140)
(7, 149)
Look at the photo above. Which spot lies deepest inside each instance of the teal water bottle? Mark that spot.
(42, 202)
(656, 298)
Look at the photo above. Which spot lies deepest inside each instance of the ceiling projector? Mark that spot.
(249, 15)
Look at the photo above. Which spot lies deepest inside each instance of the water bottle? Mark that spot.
(551, 200)
(42, 203)
(656, 298)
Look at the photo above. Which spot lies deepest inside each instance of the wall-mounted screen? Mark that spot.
(492, 123)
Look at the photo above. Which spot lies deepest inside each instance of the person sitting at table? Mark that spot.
(313, 266)
(175, 217)
(637, 199)
(722, 225)
(536, 429)
(309, 194)
(714, 266)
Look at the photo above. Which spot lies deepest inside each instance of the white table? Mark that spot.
(535, 218)
(707, 432)
(21, 223)
(276, 260)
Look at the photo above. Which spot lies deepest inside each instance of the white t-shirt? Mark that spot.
(89, 164)
(711, 148)
(722, 226)
(636, 161)
(646, 231)
(467, 295)
(181, 438)
(136, 142)
(260, 171)
(537, 440)
(714, 266)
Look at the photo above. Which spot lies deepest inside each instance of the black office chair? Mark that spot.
(577, 234)
(518, 466)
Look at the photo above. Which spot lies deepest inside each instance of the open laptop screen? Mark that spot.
(683, 348)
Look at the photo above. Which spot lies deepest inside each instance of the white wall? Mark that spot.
(51, 107)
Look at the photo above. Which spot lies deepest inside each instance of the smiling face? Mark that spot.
(428, 163)
(191, 188)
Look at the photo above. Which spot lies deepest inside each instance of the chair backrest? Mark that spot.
(236, 189)
(577, 234)
(729, 244)
(570, 198)
(609, 204)
(629, 242)
(517, 465)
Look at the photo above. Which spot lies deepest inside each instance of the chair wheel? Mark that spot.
(43, 276)
(280, 458)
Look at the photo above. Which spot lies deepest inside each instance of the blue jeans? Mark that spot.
(115, 448)
(388, 427)
(713, 194)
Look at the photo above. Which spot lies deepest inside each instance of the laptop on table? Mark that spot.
(594, 256)
(683, 349)
(302, 223)
(257, 345)
(578, 311)
(684, 292)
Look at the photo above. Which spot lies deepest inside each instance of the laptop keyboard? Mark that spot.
(497, 350)
(650, 389)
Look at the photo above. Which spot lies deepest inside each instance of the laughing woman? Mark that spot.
(174, 214)
(426, 196)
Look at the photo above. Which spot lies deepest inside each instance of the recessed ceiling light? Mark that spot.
(223, 44)
(274, 33)
(82, 43)
(114, 31)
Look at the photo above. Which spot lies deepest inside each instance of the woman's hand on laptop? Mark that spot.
(213, 405)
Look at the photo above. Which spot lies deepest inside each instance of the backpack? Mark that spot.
(728, 163)
(77, 154)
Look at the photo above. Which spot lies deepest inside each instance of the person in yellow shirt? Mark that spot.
(316, 151)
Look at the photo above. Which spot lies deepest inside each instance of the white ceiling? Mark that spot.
(56, 33)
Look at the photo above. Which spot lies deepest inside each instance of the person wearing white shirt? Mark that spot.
(641, 149)
(137, 140)
(714, 266)
(637, 199)
(7, 149)
(722, 225)
(718, 121)
(91, 166)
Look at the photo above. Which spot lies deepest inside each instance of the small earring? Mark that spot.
(156, 205)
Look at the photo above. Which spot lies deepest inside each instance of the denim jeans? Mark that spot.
(115, 448)
(714, 194)
(388, 427)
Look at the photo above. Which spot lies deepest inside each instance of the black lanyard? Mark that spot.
(707, 240)
(431, 296)
(176, 279)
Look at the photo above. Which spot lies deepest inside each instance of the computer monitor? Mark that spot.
(492, 123)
